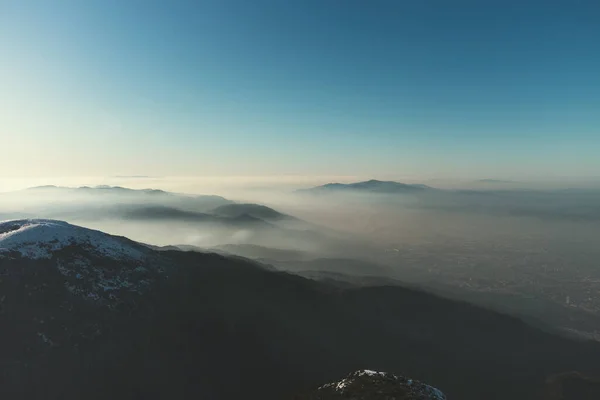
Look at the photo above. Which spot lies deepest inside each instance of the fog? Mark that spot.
(533, 252)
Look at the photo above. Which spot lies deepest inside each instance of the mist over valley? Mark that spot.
(531, 253)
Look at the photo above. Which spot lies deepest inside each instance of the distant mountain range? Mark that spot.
(56, 195)
(155, 203)
(254, 210)
(371, 186)
(89, 315)
(162, 213)
(493, 197)
(160, 203)
(106, 189)
(216, 220)
(499, 181)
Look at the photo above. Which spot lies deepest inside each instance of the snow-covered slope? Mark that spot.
(92, 264)
(39, 238)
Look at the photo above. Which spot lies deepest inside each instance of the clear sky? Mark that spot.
(501, 89)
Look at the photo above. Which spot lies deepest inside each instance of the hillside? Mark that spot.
(235, 210)
(83, 323)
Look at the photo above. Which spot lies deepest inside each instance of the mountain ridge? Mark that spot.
(370, 186)
(39, 238)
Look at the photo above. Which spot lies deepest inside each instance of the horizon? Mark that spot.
(424, 90)
(251, 186)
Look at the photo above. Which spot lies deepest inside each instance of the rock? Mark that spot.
(372, 385)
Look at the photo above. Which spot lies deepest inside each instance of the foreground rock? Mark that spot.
(371, 385)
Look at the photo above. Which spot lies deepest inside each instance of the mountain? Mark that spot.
(494, 181)
(39, 238)
(100, 189)
(59, 197)
(372, 385)
(371, 186)
(89, 315)
(162, 213)
(195, 220)
(236, 229)
(105, 202)
(235, 210)
(86, 259)
(264, 213)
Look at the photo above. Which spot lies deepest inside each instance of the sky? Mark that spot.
(218, 88)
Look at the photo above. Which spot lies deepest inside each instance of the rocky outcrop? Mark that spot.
(372, 385)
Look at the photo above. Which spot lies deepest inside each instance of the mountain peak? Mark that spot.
(495, 181)
(91, 264)
(42, 187)
(372, 186)
(40, 238)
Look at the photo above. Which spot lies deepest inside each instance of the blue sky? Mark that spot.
(233, 87)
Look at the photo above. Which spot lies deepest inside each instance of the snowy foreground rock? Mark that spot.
(372, 385)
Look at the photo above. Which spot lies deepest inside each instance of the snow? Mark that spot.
(370, 373)
(39, 238)
(341, 384)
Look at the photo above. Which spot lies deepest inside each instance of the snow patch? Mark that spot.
(368, 372)
(341, 384)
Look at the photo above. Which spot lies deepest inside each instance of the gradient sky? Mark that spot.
(502, 89)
